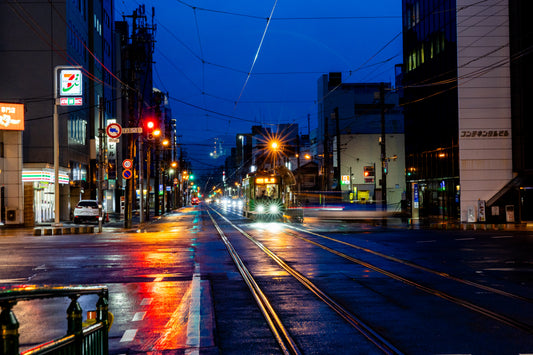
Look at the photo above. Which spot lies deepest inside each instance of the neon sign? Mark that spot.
(11, 117)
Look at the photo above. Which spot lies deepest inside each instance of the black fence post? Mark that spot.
(75, 323)
(9, 330)
(102, 315)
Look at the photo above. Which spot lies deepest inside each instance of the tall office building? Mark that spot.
(37, 37)
(465, 84)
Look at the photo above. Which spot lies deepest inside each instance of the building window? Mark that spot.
(412, 15)
(77, 131)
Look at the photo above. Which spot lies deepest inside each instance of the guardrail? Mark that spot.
(90, 340)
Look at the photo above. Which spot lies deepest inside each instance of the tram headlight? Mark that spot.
(260, 208)
(273, 209)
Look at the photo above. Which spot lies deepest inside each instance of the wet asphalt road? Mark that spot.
(174, 288)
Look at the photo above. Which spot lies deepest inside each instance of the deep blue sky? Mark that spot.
(203, 56)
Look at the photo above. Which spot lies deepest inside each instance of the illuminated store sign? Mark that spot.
(11, 117)
(43, 176)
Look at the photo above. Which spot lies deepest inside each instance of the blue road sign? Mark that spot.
(126, 174)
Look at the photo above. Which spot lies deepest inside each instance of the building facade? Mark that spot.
(465, 85)
(360, 125)
(37, 37)
(430, 108)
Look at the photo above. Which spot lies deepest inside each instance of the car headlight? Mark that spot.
(260, 208)
(273, 209)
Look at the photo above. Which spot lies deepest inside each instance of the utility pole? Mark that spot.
(101, 161)
(383, 147)
(326, 154)
(156, 179)
(141, 182)
(337, 126)
(148, 162)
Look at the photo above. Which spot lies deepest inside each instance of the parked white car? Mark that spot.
(87, 210)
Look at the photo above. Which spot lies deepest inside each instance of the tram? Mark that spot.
(268, 195)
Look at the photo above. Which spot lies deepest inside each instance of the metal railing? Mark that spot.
(79, 340)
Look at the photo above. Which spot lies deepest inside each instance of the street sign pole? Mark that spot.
(56, 143)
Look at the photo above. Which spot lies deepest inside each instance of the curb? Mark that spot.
(62, 230)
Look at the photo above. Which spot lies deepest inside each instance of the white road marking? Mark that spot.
(129, 335)
(193, 325)
(465, 239)
(426, 241)
(502, 237)
(158, 279)
(138, 316)
(146, 301)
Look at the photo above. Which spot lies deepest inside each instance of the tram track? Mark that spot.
(287, 344)
(411, 264)
(283, 338)
(439, 293)
(488, 307)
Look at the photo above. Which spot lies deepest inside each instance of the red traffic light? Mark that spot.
(151, 128)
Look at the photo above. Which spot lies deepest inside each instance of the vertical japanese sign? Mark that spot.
(70, 82)
(11, 117)
(415, 195)
(481, 208)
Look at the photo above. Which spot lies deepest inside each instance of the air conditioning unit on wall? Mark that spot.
(11, 216)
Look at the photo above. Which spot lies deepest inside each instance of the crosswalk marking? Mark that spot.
(129, 335)
(138, 316)
(146, 301)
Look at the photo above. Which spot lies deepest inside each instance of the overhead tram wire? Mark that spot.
(290, 18)
(212, 111)
(179, 70)
(256, 53)
(325, 18)
(55, 47)
(201, 52)
(88, 50)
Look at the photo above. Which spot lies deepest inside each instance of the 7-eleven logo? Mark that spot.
(71, 82)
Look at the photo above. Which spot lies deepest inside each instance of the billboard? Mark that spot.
(70, 82)
(11, 117)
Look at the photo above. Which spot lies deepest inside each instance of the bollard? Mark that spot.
(9, 330)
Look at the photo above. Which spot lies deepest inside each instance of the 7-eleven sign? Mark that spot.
(70, 82)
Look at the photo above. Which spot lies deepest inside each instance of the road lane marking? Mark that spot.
(502, 237)
(426, 241)
(138, 316)
(158, 279)
(193, 326)
(146, 301)
(129, 335)
(461, 239)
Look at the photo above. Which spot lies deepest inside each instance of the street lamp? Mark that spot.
(274, 147)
